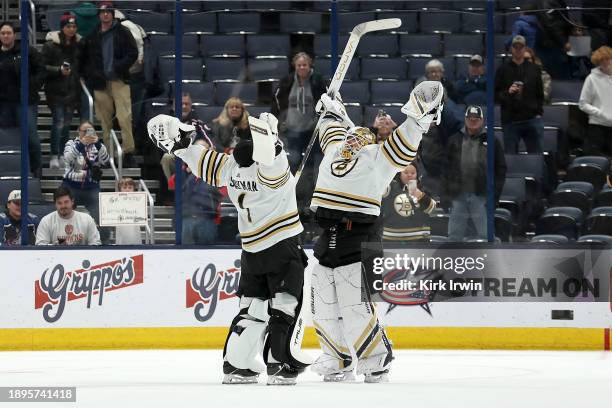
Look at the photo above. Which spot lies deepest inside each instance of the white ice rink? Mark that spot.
(427, 379)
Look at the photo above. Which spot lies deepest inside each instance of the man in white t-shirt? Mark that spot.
(66, 226)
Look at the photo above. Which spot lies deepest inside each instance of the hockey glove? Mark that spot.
(425, 104)
(169, 133)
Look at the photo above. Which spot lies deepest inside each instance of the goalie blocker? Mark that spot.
(269, 326)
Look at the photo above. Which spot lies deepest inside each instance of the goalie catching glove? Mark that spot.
(425, 104)
(169, 133)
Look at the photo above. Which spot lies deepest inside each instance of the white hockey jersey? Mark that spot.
(359, 184)
(263, 195)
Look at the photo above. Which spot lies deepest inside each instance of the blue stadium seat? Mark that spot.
(603, 198)
(239, 22)
(474, 21)
(347, 21)
(322, 45)
(371, 111)
(192, 69)
(565, 91)
(322, 66)
(530, 166)
(199, 23)
(573, 194)
(509, 18)
(499, 44)
(514, 196)
(164, 45)
(409, 20)
(382, 5)
(550, 238)
(384, 92)
(597, 239)
(503, 224)
(438, 221)
(300, 22)
(207, 113)
(356, 92)
(267, 69)
(221, 5)
(268, 45)
(564, 221)
(592, 169)
(220, 69)
(247, 91)
(465, 44)
(383, 45)
(257, 110)
(268, 5)
(440, 22)
(356, 115)
(222, 45)
(557, 116)
(10, 164)
(41, 209)
(384, 68)
(201, 92)
(599, 221)
(158, 23)
(14, 183)
(420, 44)
(10, 138)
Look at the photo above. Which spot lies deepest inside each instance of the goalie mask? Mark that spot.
(355, 139)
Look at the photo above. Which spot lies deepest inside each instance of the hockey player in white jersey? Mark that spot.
(353, 176)
(272, 261)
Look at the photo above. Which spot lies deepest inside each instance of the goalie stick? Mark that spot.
(345, 60)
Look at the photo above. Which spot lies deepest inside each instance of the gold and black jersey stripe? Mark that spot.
(332, 134)
(210, 165)
(274, 182)
(270, 229)
(407, 234)
(398, 151)
(325, 197)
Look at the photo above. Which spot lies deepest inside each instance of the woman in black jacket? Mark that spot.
(295, 100)
(61, 58)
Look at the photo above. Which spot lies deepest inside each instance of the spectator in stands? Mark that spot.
(84, 158)
(189, 116)
(10, 85)
(127, 234)
(61, 56)
(108, 54)
(87, 18)
(434, 71)
(406, 209)
(530, 56)
(472, 88)
(464, 180)
(597, 15)
(596, 101)
(231, 125)
(294, 105)
(519, 91)
(552, 41)
(383, 126)
(200, 203)
(525, 25)
(10, 220)
(66, 226)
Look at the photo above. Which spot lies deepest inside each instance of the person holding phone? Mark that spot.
(61, 58)
(85, 157)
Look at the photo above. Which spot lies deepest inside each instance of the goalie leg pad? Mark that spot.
(245, 340)
(360, 320)
(336, 356)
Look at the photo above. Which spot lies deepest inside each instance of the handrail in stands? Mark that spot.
(117, 169)
(150, 229)
(32, 33)
(90, 100)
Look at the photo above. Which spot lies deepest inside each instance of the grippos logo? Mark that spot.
(56, 287)
(207, 287)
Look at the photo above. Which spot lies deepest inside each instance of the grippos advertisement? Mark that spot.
(97, 288)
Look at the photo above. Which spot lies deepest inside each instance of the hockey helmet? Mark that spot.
(356, 138)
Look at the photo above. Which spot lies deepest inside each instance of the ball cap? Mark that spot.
(476, 59)
(67, 18)
(519, 39)
(106, 5)
(474, 111)
(14, 196)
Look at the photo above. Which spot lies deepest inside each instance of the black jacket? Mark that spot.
(519, 106)
(60, 89)
(452, 183)
(280, 105)
(125, 54)
(10, 74)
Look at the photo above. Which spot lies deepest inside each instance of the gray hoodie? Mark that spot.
(596, 98)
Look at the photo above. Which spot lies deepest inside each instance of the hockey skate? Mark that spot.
(377, 377)
(282, 374)
(233, 375)
(341, 376)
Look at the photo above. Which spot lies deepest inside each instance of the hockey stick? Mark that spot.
(342, 68)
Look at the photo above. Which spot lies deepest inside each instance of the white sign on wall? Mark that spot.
(123, 208)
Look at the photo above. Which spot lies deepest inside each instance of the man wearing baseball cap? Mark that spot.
(519, 91)
(464, 182)
(10, 222)
(472, 89)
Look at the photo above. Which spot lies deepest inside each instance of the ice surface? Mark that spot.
(427, 379)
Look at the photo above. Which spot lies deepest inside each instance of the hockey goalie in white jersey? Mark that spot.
(353, 175)
(272, 261)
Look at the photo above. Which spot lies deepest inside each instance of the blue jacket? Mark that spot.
(10, 234)
(472, 90)
(199, 199)
(527, 26)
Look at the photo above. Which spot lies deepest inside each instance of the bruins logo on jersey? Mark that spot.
(403, 205)
(341, 168)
